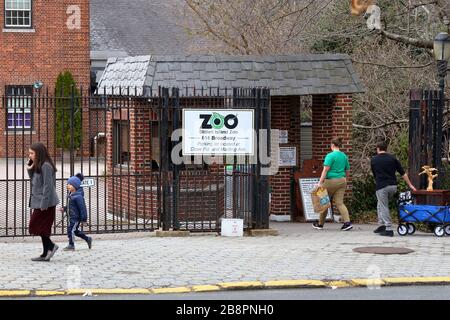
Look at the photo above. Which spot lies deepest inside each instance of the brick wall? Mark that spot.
(42, 54)
(285, 115)
(133, 189)
(332, 117)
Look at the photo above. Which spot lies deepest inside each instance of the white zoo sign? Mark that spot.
(218, 132)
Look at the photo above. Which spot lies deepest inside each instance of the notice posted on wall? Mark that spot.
(306, 186)
(284, 136)
(288, 157)
(218, 132)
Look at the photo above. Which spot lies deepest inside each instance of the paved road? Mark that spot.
(144, 261)
(384, 293)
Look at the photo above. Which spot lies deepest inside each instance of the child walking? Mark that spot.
(76, 211)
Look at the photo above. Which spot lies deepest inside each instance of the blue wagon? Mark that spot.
(437, 216)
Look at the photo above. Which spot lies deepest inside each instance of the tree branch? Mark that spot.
(421, 43)
(210, 29)
(393, 67)
(358, 126)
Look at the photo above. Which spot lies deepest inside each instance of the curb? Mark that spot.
(248, 285)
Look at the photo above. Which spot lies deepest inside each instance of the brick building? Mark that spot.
(38, 41)
(329, 80)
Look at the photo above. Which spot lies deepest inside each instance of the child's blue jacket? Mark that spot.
(77, 206)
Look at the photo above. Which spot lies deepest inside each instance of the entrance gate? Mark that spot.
(429, 136)
(122, 142)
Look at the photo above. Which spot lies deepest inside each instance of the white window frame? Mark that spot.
(18, 102)
(118, 143)
(18, 8)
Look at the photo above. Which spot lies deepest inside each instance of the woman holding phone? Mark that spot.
(43, 199)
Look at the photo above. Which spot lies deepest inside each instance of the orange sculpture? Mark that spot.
(429, 172)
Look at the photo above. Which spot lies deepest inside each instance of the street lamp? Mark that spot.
(442, 54)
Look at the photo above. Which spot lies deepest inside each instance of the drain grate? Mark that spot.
(383, 250)
(128, 272)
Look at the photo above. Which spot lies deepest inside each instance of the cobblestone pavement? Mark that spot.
(145, 261)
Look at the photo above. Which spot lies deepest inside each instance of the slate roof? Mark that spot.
(139, 27)
(284, 75)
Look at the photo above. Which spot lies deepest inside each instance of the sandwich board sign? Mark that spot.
(306, 186)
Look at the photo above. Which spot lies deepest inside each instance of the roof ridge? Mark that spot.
(154, 70)
(254, 58)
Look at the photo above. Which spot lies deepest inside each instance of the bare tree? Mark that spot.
(390, 61)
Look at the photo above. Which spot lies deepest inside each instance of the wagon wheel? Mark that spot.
(411, 228)
(402, 230)
(439, 231)
(447, 229)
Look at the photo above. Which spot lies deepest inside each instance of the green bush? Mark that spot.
(445, 176)
(363, 205)
(364, 201)
(63, 91)
(364, 197)
(400, 147)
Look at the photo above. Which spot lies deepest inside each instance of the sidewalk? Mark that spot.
(144, 261)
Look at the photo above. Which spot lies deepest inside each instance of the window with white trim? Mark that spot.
(18, 13)
(19, 104)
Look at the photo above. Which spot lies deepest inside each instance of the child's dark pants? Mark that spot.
(72, 230)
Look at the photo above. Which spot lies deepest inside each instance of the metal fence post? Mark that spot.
(438, 143)
(256, 103)
(165, 160)
(264, 180)
(175, 168)
(415, 125)
(72, 116)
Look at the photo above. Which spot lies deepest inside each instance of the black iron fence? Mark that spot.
(196, 194)
(429, 136)
(121, 141)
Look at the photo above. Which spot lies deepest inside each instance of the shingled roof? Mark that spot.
(284, 75)
(139, 27)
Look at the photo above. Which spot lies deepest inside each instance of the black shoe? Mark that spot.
(89, 242)
(347, 226)
(387, 233)
(380, 229)
(317, 226)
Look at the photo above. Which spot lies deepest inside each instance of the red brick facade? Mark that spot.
(134, 190)
(332, 117)
(46, 49)
(285, 113)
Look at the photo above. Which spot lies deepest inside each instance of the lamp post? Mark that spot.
(37, 85)
(441, 48)
(442, 54)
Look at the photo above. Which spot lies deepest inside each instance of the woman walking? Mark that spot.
(333, 178)
(43, 199)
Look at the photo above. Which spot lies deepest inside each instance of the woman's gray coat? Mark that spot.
(43, 188)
